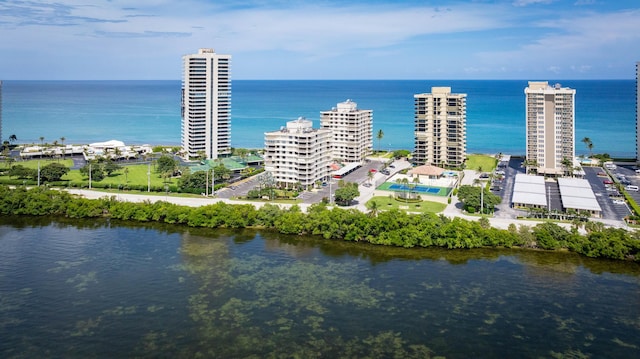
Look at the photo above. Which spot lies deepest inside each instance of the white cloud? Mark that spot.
(531, 2)
(590, 39)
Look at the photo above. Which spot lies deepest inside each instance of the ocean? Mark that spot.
(148, 112)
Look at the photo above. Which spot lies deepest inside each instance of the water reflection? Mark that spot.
(103, 288)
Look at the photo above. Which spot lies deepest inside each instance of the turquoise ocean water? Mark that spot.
(138, 112)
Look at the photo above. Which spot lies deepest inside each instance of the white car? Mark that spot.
(618, 201)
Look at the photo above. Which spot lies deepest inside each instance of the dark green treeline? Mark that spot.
(393, 228)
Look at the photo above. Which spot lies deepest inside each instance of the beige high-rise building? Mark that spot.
(550, 127)
(298, 154)
(352, 131)
(206, 104)
(440, 127)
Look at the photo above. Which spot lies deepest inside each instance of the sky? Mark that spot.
(321, 39)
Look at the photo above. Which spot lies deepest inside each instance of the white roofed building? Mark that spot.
(576, 194)
(529, 192)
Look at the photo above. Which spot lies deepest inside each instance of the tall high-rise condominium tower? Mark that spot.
(638, 112)
(550, 127)
(440, 127)
(206, 105)
(352, 131)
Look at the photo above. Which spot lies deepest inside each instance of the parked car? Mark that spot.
(618, 201)
(385, 172)
(607, 181)
(638, 170)
(602, 174)
(392, 166)
(373, 170)
(632, 188)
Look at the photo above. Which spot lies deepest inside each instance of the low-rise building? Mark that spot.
(298, 154)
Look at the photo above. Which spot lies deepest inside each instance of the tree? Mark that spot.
(97, 171)
(346, 193)
(53, 172)
(110, 166)
(42, 145)
(587, 142)
(379, 136)
(194, 181)
(126, 174)
(13, 138)
(401, 153)
(471, 197)
(370, 176)
(567, 163)
(242, 153)
(166, 164)
(373, 208)
(20, 171)
(220, 172)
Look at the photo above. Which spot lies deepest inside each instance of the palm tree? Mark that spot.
(13, 138)
(373, 208)
(379, 137)
(567, 164)
(587, 142)
(370, 176)
(41, 145)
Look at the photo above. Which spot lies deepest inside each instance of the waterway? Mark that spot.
(105, 289)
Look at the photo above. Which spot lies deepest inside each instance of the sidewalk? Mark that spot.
(451, 211)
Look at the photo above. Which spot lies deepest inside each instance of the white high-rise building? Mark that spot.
(298, 154)
(206, 104)
(550, 128)
(352, 131)
(440, 127)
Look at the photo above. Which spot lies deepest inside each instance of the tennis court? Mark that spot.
(416, 188)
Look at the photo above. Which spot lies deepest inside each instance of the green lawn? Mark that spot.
(43, 162)
(386, 203)
(482, 163)
(137, 176)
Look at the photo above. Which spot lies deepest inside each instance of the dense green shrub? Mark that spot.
(394, 227)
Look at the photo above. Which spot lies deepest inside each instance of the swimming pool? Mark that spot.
(417, 188)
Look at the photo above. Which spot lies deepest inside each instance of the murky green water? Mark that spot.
(99, 289)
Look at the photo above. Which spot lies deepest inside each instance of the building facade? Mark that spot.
(206, 105)
(550, 127)
(637, 113)
(352, 131)
(440, 119)
(298, 154)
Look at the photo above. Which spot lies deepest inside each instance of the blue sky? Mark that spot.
(322, 39)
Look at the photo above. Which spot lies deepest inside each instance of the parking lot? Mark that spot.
(504, 187)
(610, 210)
